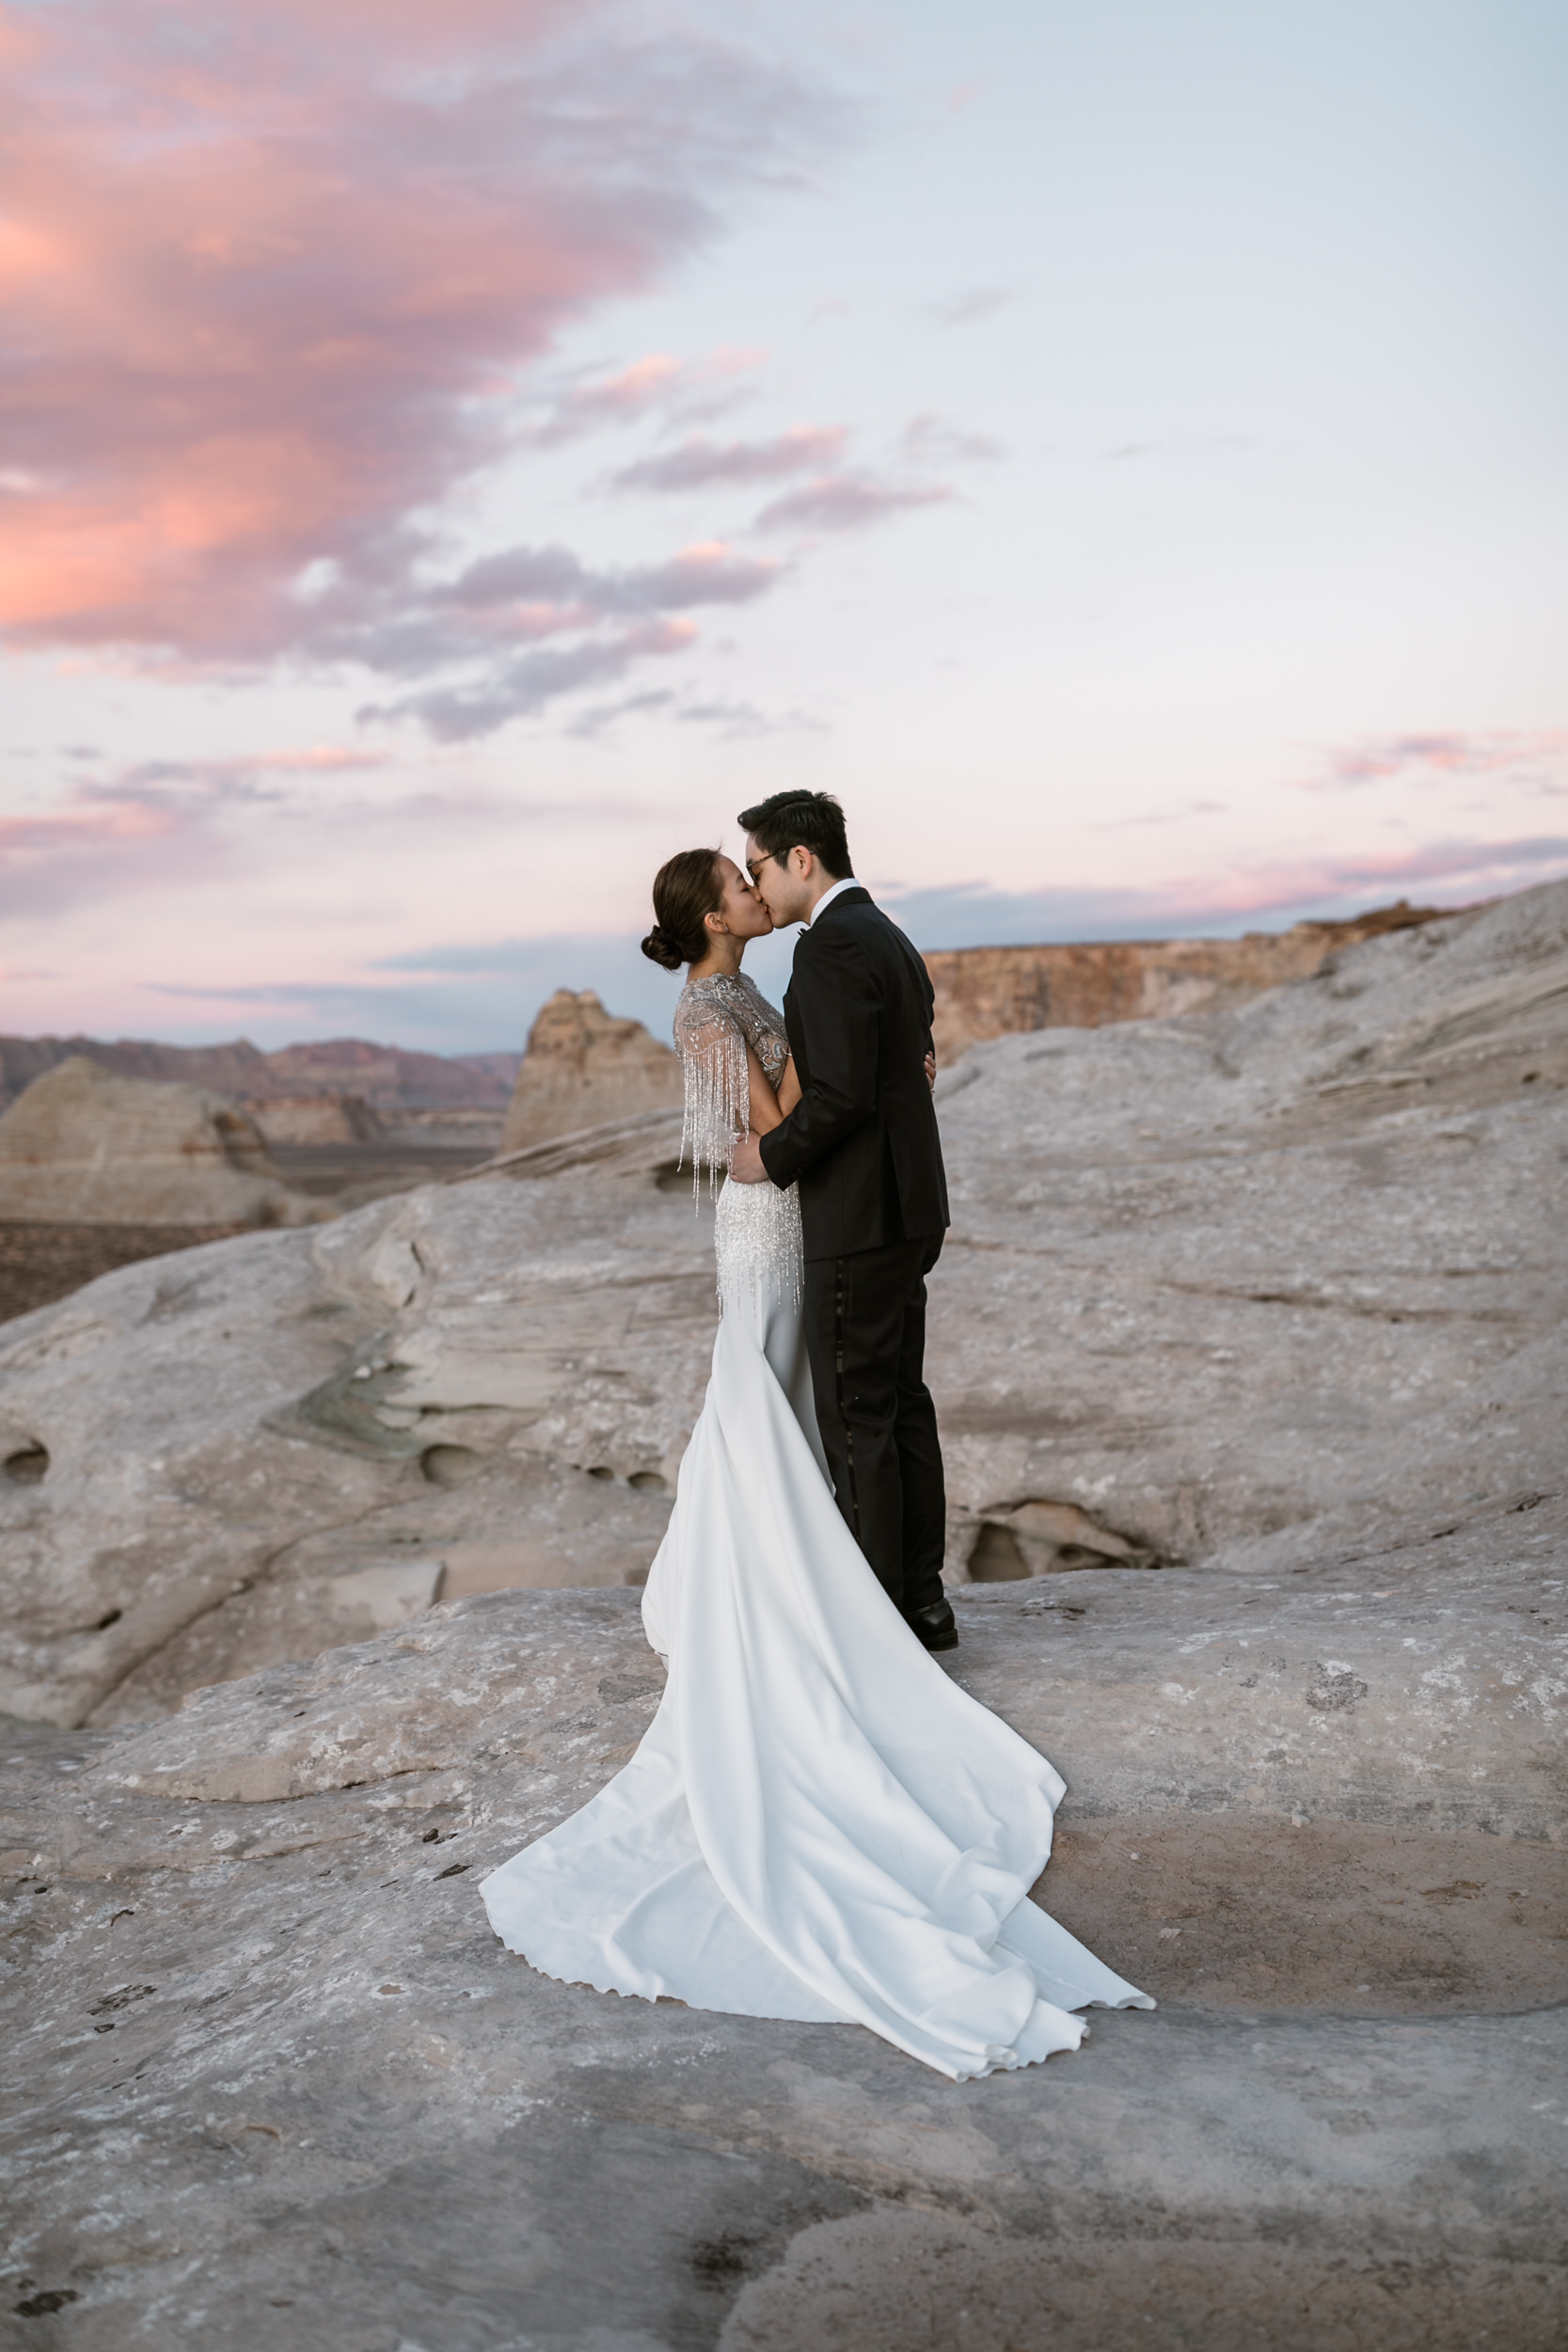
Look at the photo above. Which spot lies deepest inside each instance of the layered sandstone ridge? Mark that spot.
(999, 991)
(389, 1077)
(583, 1067)
(292, 1120)
(1227, 1290)
(82, 1146)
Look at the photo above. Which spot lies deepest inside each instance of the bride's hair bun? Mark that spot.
(660, 948)
(685, 888)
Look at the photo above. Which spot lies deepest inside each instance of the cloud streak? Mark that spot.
(851, 500)
(657, 385)
(1541, 757)
(973, 306)
(493, 623)
(701, 464)
(1265, 895)
(182, 828)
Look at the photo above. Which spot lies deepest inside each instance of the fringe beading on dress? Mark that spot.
(758, 1237)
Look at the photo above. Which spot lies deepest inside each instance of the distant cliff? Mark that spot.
(388, 1077)
(996, 992)
(586, 1064)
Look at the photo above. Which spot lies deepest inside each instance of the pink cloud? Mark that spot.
(701, 464)
(531, 681)
(1461, 870)
(553, 579)
(847, 501)
(465, 643)
(271, 273)
(177, 827)
(98, 846)
(1381, 758)
(1267, 895)
(656, 386)
(161, 824)
(938, 440)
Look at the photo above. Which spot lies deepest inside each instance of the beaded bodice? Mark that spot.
(715, 1021)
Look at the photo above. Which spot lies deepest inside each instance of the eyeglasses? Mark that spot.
(756, 865)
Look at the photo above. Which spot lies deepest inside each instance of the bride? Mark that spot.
(818, 1824)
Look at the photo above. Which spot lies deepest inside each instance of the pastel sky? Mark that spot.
(452, 456)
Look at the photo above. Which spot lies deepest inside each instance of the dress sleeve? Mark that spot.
(717, 1083)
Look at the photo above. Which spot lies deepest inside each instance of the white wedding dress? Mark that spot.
(818, 1824)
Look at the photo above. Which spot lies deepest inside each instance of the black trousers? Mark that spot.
(865, 1337)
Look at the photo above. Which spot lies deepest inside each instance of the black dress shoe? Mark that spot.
(936, 1625)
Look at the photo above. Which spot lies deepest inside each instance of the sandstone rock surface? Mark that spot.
(1227, 1290)
(585, 1066)
(272, 2084)
(387, 1076)
(43, 1263)
(293, 1119)
(83, 1146)
(997, 992)
(1248, 1344)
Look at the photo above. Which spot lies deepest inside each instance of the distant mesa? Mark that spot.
(83, 1146)
(583, 1068)
(983, 992)
(389, 1078)
(288, 1120)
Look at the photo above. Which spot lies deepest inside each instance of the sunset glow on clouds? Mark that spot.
(450, 457)
(271, 300)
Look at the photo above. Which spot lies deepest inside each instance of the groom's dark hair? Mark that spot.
(812, 820)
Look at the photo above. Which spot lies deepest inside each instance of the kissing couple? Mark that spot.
(819, 1823)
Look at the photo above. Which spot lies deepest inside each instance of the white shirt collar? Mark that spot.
(827, 896)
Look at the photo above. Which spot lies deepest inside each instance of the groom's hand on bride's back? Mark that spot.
(746, 1167)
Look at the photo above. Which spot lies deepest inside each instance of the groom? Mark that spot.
(862, 1144)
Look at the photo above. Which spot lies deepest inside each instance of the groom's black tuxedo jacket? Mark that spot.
(862, 1142)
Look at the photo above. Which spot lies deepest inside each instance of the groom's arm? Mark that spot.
(838, 1002)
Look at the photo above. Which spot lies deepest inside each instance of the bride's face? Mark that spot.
(740, 908)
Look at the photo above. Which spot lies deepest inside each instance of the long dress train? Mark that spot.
(818, 1824)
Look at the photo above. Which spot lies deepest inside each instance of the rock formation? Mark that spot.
(313, 1119)
(1249, 1345)
(1312, 1815)
(390, 1077)
(999, 991)
(82, 1146)
(584, 1066)
(1233, 1288)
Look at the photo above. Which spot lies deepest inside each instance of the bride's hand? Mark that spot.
(930, 1066)
(746, 1165)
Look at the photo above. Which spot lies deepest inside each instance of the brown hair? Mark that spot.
(686, 887)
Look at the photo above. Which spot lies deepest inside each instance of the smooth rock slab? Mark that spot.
(82, 1144)
(272, 2083)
